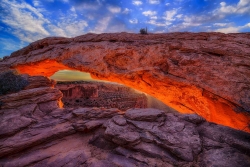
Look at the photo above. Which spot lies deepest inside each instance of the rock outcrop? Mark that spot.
(92, 137)
(203, 73)
(36, 132)
(101, 94)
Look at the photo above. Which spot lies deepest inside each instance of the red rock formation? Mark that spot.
(101, 94)
(39, 96)
(206, 73)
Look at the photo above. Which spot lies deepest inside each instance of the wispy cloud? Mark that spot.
(22, 19)
(102, 25)
(154, 1)
(242, 7)
(149, 13)
(133, 21)
(114, 9)
(137, 3)
(169, 15)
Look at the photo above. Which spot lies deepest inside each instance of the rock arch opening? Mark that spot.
(190, 72)
(81, 90)
(189, 98)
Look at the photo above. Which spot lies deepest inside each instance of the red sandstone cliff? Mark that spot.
(34, 132)
(206, 73)
(101, 94)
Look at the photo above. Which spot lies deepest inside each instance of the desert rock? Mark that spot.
(203, 73)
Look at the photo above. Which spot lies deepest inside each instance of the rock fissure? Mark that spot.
(136, 137)
(180, 88)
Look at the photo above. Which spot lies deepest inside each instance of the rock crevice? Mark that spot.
(174, 67)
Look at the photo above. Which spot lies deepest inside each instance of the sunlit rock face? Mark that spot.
(100, 94)
(205, 73)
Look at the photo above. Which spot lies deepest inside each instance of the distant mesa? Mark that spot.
(106, 95)
(203, 73)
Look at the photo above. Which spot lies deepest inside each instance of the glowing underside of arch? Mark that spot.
(205, 104)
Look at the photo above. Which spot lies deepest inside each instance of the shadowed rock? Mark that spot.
(203, 73)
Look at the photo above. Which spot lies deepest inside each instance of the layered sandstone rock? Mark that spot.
(205, 73)
(39, 95)
(109, 137)
(100, 94)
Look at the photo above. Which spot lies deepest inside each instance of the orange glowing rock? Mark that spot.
(205, 73)
(45, 68)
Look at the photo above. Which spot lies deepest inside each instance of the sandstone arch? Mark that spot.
(206, 73)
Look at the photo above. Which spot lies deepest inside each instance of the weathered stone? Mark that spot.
(95, 113)
(211, 144)
(206, 73)
(193, 118)
(119, 120)
(51, 140)
(35, 135)
(30, 96)
(101, 163)
(39, 81)
(94, 124)
(121, 134)
(121, 161)
(226, 157)
(152, 150)
(236, 139)
(13, 124)
(101, 94)
(148, 114)
(47, 107)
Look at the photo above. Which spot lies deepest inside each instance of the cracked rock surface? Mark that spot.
(36, 132)
(203, 73)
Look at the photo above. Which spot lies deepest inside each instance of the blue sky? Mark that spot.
(25, 21)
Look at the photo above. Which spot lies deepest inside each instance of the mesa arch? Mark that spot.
(205, 73)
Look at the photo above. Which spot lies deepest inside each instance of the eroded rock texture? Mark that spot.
(108, 137)
(36, 132)
(101, 94)
(203, 73)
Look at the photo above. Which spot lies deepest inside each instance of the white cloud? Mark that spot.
(167, 4)
(154, 1)
(232, 29)
(169, 15)
(133, 21)
(228, 30)
(153, 17)
(114, 9)
(149, 13)
(247, 25)
(137, 3)
(179, 16)
(24, 19)
(72, 9)
(159, 24)
(36, 3)
(76, 28)
(220, 24)
(102, 25)
(88, 6)
(126, 11)
(242, 7)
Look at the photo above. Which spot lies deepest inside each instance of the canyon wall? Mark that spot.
(100, 94)
(203, 73)
(107, 95)
(36, 132)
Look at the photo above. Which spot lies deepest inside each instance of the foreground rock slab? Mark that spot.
(203, 73)
(94, 137)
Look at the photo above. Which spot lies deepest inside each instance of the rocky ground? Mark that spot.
(203, 73)
(108, 95)
(35, 131)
